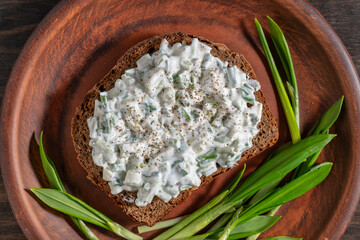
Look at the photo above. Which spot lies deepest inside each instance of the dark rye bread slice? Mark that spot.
(156, 211)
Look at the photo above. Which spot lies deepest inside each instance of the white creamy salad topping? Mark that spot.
(171, 120)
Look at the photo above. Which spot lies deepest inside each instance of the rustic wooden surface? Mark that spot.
(18, 18)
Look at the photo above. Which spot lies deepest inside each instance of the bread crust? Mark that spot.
(157, 209)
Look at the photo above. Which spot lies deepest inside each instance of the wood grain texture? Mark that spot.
(19, 18)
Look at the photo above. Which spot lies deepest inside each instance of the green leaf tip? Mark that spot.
(272, 21)
(232, 186)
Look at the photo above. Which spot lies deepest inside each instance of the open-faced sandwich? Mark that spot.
(176, 111)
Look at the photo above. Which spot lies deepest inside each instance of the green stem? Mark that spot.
(196, 237)
(161, 225)
(230, 225)
(289, 113)
(123, 232)
(203, 220)
(84, 229)
(170, 232)
(221, 222)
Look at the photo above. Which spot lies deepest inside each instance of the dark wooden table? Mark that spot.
(18, 18)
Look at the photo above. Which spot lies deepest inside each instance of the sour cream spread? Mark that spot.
(172, 119)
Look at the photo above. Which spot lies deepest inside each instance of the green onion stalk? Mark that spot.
(327, 119)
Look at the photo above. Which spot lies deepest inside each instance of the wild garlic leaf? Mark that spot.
(288, 110)
(280, 165)
(49, 168)
(283, 51)
(66, 203)
(288, 192)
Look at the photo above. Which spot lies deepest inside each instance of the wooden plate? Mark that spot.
(79, 41)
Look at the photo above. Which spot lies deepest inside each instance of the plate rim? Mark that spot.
(20, 67)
